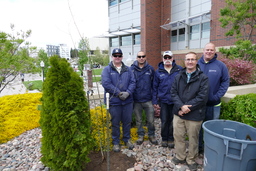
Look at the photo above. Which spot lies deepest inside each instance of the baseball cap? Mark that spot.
(169, 53)
(117, 50)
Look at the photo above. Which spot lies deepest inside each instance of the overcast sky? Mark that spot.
(51, 21)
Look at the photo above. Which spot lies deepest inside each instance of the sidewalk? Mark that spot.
(17, 87)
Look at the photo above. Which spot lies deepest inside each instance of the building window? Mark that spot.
(205, 30)
(122, 0)
(112, 2)
(194, 32)
(182, 34)
(174, 36)
(126, 40)
(114, 42)
(136, 39)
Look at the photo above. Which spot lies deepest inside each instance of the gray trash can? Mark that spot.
(229, 146)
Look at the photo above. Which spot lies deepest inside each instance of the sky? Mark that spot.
(55, 21)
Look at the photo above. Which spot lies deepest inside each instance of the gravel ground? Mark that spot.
(23, 154)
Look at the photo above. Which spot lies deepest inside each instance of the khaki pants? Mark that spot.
(181, 128)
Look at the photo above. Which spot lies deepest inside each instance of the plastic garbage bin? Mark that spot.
(229, 146)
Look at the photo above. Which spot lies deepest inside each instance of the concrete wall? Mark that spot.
(239, 90)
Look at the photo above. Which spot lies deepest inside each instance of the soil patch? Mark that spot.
(118, 162)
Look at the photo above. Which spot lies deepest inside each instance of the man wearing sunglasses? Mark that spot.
(118, 80)
(144, 74)
(163, 79)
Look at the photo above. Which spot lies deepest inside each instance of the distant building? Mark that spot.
(52, 50)
(62, 50)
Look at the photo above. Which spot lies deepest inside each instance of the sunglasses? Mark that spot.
(118, 56)
(141, 56)
(167, 57)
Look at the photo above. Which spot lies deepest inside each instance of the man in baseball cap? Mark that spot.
(163, 79)
(117, 50)
(118, 80)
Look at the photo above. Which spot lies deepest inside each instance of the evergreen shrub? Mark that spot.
(242, 108)
(65, 119)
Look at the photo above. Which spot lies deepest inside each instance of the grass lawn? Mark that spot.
(38, 84)
(96, 79)
(97, 71)
(34, 85)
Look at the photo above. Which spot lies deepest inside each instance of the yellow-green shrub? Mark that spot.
(99, 128)
(18, 113)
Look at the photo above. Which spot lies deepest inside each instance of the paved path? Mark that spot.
(17, 87)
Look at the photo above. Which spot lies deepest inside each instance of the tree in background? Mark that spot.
(65, 119)
(14, 58)
(84, 49)
(240, 18)
(73, 53)
(100, 58)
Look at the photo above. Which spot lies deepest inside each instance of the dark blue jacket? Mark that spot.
(194, 93)
(163, 82)
(114, 83)
(144, 79)
(218, 75)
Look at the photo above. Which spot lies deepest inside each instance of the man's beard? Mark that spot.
(170, 62)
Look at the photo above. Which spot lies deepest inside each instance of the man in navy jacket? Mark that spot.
(218, 75)
(163, 79)
(144, 75)
(118, 80)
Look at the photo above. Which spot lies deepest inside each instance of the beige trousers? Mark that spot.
(182, 128)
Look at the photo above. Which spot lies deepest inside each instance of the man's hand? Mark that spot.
(123, 95)
(185, 108)
(180, 113)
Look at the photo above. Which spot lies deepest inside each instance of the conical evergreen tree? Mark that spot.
(65, 119)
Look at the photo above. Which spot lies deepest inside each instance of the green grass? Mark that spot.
(34, 85)
(97, 71)
(96, 79)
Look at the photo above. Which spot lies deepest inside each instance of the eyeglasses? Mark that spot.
(141, 56)
(118, 56)
(167, 57)
(192, 60)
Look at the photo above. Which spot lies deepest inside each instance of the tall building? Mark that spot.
(52, 50)
(155, 26)
(62, 50)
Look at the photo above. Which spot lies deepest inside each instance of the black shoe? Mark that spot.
(152, 139)
(164, 144)
(129, 144)
(192, 167)
(140, 140)
(170, 144)
(177, 161)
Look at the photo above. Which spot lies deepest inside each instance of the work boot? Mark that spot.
(116, 148)
(129, 145)
(170, 144)
(152, 139)
(193, 167)
(164, 144)
(177, 161)
(140, 140)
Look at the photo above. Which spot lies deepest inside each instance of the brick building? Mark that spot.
(154, 26)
